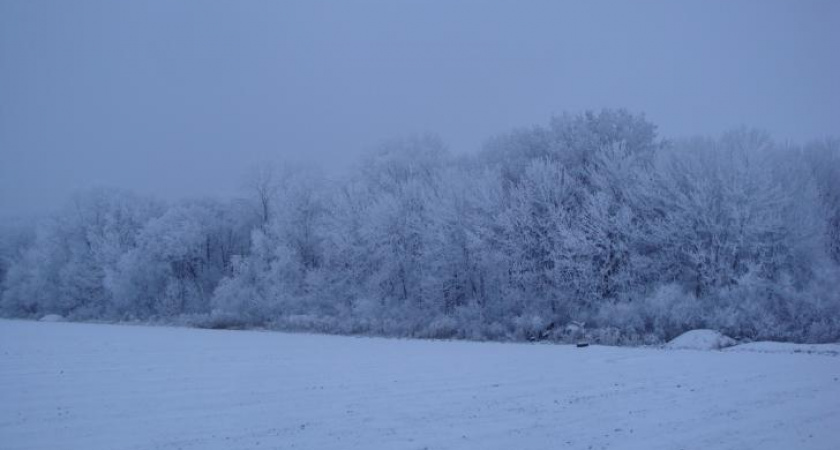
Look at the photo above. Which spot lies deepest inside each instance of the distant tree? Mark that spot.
(732, 210)
(403, 176)
(262, 184)
(592, 218)
(180, 258)
(16, 235)
(68, 266)
(823, 158)
(284, 252)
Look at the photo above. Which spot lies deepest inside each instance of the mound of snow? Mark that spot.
(52, 318)
(700, 340)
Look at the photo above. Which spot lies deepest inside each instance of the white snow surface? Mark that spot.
(700, 340)
(87, 386)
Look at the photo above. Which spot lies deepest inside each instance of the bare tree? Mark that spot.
(263, 183)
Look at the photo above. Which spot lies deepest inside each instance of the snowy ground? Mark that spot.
(78, 386)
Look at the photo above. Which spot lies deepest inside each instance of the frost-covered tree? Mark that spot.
(460, 250)
(592, 218)
(75, 253)
(262, 185)
(179, 259)
(403, 178)
(582, 246)
(537, 237)
(276, 274)
(731, 209)
(823, 158)
(16, 236)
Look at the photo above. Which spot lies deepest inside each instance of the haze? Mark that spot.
(179, 99)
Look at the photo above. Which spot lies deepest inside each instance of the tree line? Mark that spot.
(591, 218)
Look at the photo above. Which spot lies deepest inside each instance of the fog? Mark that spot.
(178, 99)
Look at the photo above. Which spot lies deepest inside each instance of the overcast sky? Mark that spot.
(179, 99)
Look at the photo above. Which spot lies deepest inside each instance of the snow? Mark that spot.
(86, 386)
(786, 347)
(52, 318)
(700, 340)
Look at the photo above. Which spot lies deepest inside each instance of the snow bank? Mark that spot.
(787, 347)
(52, 318)
(700, 340)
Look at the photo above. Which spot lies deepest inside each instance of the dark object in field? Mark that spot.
(583, 344)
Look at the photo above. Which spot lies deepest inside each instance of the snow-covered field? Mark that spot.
(83, 386)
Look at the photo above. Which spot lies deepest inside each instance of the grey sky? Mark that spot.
(177, 98)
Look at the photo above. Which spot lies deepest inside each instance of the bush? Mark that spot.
(529, 327)
(218, 320)
(442, 327)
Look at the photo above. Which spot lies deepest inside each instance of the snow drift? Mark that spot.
(52, 318)
(700, 340)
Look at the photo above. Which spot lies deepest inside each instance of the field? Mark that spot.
(88, 386)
